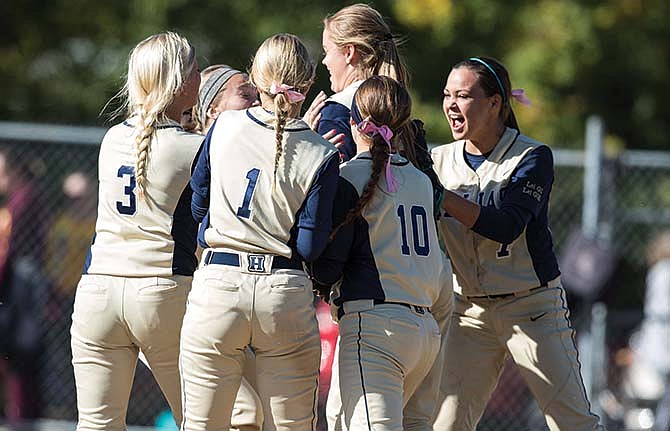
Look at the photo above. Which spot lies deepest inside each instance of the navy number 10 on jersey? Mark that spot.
(419, 223)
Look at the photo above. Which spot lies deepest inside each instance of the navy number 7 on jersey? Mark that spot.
(419, 223)
(244, 211)
(128, 190)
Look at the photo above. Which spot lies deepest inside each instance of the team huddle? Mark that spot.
(226, 210)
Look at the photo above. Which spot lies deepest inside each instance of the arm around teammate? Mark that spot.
(509, 298)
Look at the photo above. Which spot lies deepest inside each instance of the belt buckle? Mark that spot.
(255, 263)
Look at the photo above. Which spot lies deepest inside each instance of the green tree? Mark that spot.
(60, 61)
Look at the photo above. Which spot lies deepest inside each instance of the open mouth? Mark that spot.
(457, 122)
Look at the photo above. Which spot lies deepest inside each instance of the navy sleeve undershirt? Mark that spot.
(314, 221)
(336, 116)
(329, 267)
(521, 200)
(200, 180)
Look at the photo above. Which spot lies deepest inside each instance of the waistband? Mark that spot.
(253, 263)
(368, 304)
(552, 283)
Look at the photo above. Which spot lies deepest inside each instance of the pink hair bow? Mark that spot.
(520, 96)
(371, 129)
(292, 95)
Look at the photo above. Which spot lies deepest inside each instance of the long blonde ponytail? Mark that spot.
(157, 69)
(363, 27)
(282, 60)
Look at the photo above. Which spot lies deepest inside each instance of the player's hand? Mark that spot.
(313, 113)
(322, 291)
(334, 138)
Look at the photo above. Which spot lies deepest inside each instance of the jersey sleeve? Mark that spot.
(314, 219)
(524, 197)
(336, 116)
(200, 180)
(327, 269)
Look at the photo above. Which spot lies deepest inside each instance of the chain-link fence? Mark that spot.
(53, 169)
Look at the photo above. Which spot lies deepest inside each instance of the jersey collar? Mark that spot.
(396, 159)
(504, 144)
(266, 119)
(164, 124)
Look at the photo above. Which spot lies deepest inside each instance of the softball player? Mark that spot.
(132, 295)
(357, 44)
(387, 265)
(509, 299)
(268, 182)
(223, 89)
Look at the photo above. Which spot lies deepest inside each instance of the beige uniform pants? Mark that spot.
(534, 330)
(421, 409)
(228, 310)
(114, 318)
(383, 354)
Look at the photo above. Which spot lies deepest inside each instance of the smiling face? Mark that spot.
(471, 114)
(336, 61)
(237, 94)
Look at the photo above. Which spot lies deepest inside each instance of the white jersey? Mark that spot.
(483, 266)
(402, 238)
(152, 235)
(251, 209)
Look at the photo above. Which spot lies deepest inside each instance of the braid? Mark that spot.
(380, 154)
(281, 115)
(145, 131)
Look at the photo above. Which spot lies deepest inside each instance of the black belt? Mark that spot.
(233, 259)
(417, 308)
(507, 295)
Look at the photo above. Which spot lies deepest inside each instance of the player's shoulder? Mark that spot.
(232, 115)
(123, 130)
(172, 133)
(335, 111)
(357, 170)
(320, 142)
(528, 142)
(524, 145)
(442, 153)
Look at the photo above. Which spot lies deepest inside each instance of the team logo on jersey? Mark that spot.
(256, 263)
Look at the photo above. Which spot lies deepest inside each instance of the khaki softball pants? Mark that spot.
(534, 330)
(113, 319)
(421, 409)
(383, 354)
(230, 309)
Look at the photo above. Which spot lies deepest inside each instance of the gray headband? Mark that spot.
(212, 86)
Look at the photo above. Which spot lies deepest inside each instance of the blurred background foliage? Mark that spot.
(62, 60)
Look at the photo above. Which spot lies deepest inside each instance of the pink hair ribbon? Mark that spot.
(371, 129)
(520, 96)
(292, 95)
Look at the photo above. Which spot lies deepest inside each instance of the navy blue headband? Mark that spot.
(355, 113)
(502, 89)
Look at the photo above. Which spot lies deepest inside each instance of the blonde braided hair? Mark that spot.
(282, 59)
(157, 68)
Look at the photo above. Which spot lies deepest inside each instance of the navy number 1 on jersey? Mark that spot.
(244, 211)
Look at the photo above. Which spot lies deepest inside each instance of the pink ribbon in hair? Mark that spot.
(520, 96)
(292, 95)
(371, 129)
